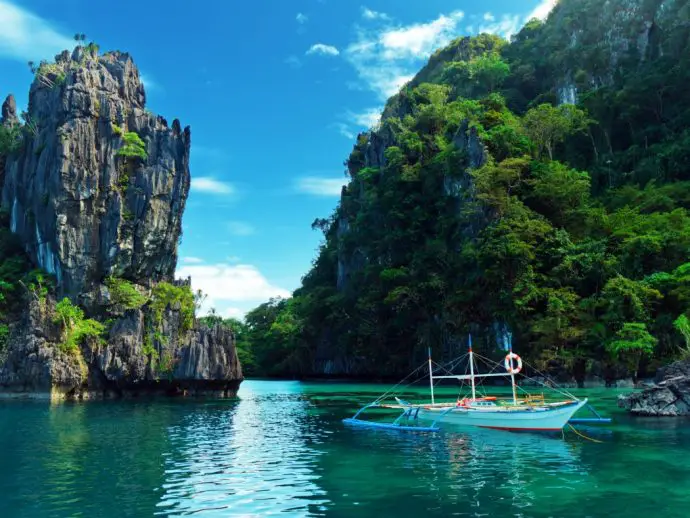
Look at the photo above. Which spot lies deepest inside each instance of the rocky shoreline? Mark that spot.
(668, 396)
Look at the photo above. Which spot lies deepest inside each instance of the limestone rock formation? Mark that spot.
(668, 397)
(98, 189)
(82, 210)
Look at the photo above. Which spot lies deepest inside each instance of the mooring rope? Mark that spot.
(582, 435)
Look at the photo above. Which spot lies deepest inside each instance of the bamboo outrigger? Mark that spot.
(531, 412)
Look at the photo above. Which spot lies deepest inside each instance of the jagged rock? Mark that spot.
(669, 396)
(32, 363)
(85, 213)
(198, 362)
(82, 211)
(9, 112)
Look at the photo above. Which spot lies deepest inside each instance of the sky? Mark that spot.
(275, 92)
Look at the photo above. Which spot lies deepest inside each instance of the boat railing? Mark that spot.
(535, 399)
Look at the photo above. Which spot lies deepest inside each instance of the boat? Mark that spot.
(521, 412)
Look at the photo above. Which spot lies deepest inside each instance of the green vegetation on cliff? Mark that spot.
(75, 326)
(486, 201)
(17, 277)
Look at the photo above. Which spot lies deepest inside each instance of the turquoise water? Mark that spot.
(281, 449)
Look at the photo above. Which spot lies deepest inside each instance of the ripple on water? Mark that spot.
(255, 458)
(282, 449)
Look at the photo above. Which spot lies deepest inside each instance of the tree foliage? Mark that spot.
(124, 293)
(133, 146)
(75, 327)
(485, 200)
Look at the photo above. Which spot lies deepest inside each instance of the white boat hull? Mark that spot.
(543, 419)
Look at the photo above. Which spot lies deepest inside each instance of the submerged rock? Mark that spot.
(668, 396)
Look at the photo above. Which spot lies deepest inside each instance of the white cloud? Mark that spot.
(301, 18)
(506, 27)
(192, 260)
(211, 185)
(25, 36)
(373, 15)
(293, 61)
(542, 10)
(233, 313)
(363, 120)
(419, 40)
(367, 118)
(229, 286)
(238, 228)
(489, 17)
(344, 130)
(320, 186)
(323, 50)
(385, 59)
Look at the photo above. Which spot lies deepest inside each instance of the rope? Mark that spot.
(392, 389)
(584, 436)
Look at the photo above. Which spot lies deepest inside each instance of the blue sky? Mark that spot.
(275, 92)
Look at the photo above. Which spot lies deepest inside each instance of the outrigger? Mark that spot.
(529, 412)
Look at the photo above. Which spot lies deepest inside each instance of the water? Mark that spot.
(280, 449)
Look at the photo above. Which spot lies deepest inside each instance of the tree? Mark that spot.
(631, 343)
(490, 71)
(548, 126)
(682, 325)
(133, 147)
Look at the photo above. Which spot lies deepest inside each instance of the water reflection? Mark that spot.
(255, 457)
(78, 458)
(282, 449)
(462, 473)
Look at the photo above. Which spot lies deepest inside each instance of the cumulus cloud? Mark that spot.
(26, 36)
(209, 184)
(489, 17)
(323, 50)
(386, 58)
(301, 18)
(368, 14)
(233, 313)
(239, 228)
(191, 260)
(318, 186)
(505, 27)
(231, 289)
(542, 10)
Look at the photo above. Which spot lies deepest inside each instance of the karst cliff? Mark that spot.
(93, 189)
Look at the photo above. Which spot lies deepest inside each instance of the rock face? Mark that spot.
(66, 190)
(84, 212)
(669, 396)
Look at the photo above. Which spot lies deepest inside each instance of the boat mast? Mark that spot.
(474, 395)
(431, 378)
(512, 376)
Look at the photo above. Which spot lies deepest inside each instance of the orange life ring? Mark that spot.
(509, 363)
